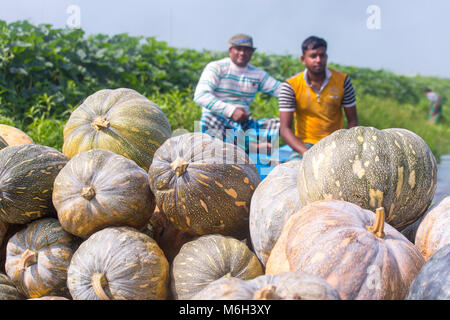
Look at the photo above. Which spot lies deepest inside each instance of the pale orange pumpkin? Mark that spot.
(434, 230)
(350, 247)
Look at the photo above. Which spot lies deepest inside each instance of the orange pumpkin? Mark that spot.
(350, 247)
(434, 230)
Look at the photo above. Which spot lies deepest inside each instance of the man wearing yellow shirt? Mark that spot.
(316, 98)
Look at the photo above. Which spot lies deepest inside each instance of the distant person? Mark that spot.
(316, 98)
(225, 91)
(435, 109)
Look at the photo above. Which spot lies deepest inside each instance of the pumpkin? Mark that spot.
(434, 231)
(99, 189)
(208, 258)
(8, 290)
(26, 182)
(433, 280)
(390, 168)
(122, 121)
(203, 185)
(273, 202)
(284, 286)
(118, 263)
(14, 136)
(169, 239)
(352, 248)
(38, 256)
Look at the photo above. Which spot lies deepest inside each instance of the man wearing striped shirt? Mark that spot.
(225, 91)
(315, 97)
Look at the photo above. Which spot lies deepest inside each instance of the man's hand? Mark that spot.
(240, 115)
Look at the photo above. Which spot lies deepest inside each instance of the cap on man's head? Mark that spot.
(241, 40)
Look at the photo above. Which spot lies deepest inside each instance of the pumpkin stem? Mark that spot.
(378, 225)
(100, 123)
(98, 282)
(28, 258)
(226, 275)
(266, 293)
(179, 165)
(88, 192)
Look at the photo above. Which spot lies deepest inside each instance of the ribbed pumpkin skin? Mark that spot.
(274, 201)
(213, 192)
(26, 182)
(433, 280)
(330, 239)
(131, 125)
(134, 266)
(99, 189)
(392, 168)
(7, 289)
(284, 286)
(49, 298)
(49, 249)
(434, 230)
(209, 258)
(14, 136)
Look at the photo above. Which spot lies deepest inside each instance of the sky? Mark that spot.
(403, 36)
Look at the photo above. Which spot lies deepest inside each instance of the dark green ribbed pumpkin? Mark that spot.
(274, 201)
(122, 121)
(284, 286)
(209, 258)
(118, 263)
(99, 189)
(38, 256)
(8, 290)
(204, 185)
(393, 168)
(26, 182)
(433, 280)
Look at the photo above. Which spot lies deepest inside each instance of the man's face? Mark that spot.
(240, 55)
(315, 60)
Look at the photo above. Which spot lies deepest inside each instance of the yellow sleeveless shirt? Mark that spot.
(318, 115)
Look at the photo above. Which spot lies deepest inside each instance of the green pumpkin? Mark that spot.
(38, 256)
(99, 189)
(433, 280)
(204, 185)
(122, 121)
(26, 182)
(209, 258)
(8, 290)
(118, 263)
(390, 168)
(284, 286)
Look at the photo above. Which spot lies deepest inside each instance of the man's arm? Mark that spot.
(287, 104)
(286, 119)
(269, 85)
(349, 104)
(205, 95)
(352, 116)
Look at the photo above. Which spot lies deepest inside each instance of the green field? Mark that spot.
(46, 72)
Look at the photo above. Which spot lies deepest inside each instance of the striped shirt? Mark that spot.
(223, 86)
(287, 101)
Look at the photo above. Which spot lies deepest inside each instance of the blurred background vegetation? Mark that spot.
(46, 72)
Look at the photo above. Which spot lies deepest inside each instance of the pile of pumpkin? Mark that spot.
(127, 211)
